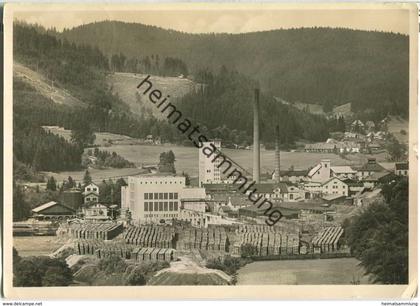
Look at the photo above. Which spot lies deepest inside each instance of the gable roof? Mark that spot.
(342, 169)
(401, 166)
(314, 170)
(371, 166)
(50, 204)
(332, 179)
(376, 176)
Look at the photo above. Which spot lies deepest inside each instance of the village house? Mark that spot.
(91, 194)
(376, 178)
(293, 176)
(95, 211)
(357, 126)
(369, 168)
(320, 147)
(401, 169)
(335, 186)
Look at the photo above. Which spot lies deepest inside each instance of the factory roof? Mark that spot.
(342, 169)
(314, 170)
(371, 166)
(51, 204)
(293, 173)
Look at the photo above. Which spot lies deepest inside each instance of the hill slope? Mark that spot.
(320, 65)
(44, 86)
(124, 85)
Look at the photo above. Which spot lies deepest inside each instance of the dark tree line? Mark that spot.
(378, 236)
(153, 64)
(224, 106)
(44, 151)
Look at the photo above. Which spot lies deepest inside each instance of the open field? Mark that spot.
(125, 86)
(98, 175)
(187, 157)
(44, 86)
(101, 139)
(302, 272)
(36, 245)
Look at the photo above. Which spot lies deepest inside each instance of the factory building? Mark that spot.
(208, 173)
(153, 199)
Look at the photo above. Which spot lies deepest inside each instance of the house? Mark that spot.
(320, 147)
(357, 126)
(377, 178)
(343, 172)
(53, 210)
(355, 186)
(149, 139)
(313, 189)
(401, 169)
(321, 172)
(91, 194)
(335, 186)
(370, 125)
(95, 211)
(293, 176)
(369, 168)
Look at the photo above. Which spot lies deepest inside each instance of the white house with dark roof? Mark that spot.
(91, 194)
(335, 186)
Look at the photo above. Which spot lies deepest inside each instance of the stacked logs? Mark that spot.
(261, 240)
(103, 231)
(211, 239)
(151, 236)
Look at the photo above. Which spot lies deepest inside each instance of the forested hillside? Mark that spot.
(223, 110)
(319, 65)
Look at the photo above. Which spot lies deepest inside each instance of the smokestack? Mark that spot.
(277, 155)
(256, 164)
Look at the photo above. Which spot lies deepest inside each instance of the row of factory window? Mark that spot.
(162, 216)
(161, 196)
(156, 182)
(161, 206)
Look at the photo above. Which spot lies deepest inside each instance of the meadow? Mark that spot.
(303, 272)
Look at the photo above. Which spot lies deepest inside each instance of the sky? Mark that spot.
(229, 20)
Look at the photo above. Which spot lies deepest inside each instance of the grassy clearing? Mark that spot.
(302, 272)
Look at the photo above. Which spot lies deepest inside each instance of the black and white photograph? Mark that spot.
(200, 146)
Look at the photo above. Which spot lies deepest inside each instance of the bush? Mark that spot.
(136, 278)
(230, 265)
(42, 271)
(112, 264)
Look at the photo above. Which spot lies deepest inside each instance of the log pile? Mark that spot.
(152, 254)
(103, 231)
(262, 240)
(150, 236)
(326, 241)
(212, 239)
